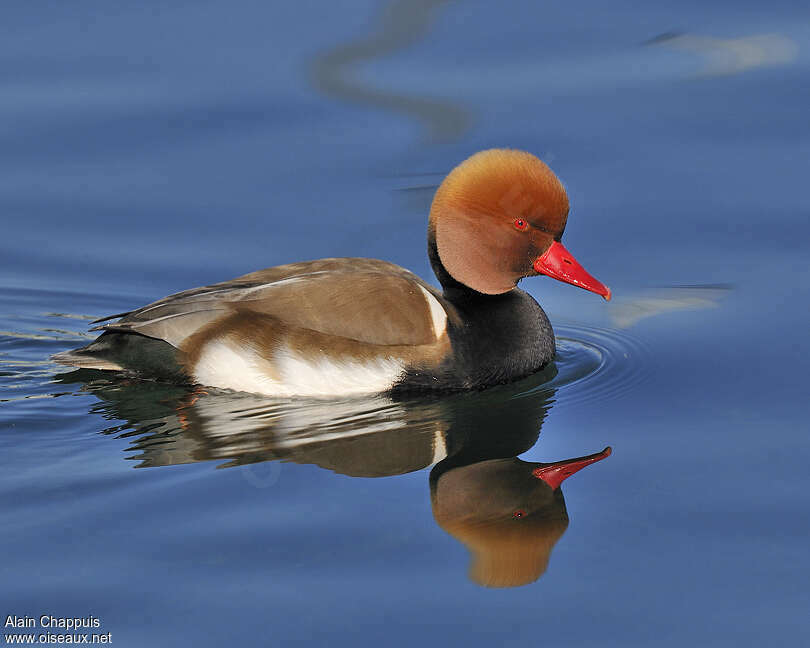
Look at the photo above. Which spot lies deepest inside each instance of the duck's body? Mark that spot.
(350, 326)
(326, 327)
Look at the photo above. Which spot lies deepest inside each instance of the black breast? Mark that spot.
(499, 339)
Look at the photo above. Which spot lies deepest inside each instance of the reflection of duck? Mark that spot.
(478, 486)
(509, 513)
(373, 436)
(351, 326)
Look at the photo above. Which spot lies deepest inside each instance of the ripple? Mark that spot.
(45, 334)
(596, 364)
(30, 332)
(75, 316)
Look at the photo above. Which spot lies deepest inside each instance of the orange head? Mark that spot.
(498, 217)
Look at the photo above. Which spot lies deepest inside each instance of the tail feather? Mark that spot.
(128, 352)
(76, 358)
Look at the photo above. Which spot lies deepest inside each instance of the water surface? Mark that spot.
(148, 149)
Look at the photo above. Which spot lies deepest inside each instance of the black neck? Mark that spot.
(500, 337)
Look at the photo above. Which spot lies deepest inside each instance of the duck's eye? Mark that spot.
(520, 224)
(519, 513)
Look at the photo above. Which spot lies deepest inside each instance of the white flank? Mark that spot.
(240, 368)
(230, 367)
(437, 314)
(323, 376)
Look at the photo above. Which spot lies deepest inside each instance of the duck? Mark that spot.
(351, 326)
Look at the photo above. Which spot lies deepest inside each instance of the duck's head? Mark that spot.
(498, 217)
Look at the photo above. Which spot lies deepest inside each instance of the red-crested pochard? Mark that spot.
(353, 326)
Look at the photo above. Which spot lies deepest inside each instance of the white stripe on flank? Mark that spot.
(437, 313)
(225, 365)
(323, 376)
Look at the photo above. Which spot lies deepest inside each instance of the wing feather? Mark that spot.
(361, 299)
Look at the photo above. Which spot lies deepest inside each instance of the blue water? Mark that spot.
(145, 149)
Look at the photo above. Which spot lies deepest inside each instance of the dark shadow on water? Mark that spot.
(507, 514)
(402, 23)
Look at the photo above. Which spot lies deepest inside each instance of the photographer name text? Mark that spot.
(59, 630)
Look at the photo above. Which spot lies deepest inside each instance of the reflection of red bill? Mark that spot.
(555, 473)
(559, 263)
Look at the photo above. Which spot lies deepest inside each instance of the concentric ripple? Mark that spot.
(596, 364)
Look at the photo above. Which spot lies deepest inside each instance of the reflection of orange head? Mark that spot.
(509, 513)
(508, 518)
(510, 551)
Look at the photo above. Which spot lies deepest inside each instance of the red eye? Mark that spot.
(521, 224)
(519, 513)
